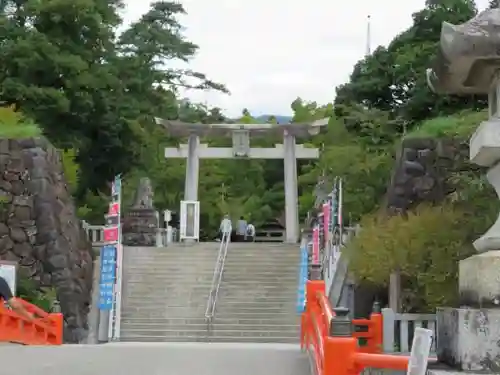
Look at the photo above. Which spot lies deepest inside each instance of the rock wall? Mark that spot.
(422, 171)
(40, 231)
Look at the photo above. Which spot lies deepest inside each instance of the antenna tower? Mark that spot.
(368, 37)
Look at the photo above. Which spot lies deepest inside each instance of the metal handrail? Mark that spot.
(216, 279)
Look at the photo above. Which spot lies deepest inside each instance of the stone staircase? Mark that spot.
(258, 293)
(165, 292)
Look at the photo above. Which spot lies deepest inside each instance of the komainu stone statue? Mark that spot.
(468, 62)
(144, 194)
(140, 224)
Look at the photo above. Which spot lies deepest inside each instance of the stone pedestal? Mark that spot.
(139, 227)
(468, 339)
(479, 280)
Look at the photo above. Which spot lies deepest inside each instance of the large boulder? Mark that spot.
(40, 231)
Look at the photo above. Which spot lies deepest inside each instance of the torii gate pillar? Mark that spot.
(291, 187)
(192, 169)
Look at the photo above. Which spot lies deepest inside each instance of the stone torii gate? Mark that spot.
(289, 151)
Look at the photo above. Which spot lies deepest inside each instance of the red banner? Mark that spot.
(114, 209)
(326, 221)
(110, 234)
(315, 245)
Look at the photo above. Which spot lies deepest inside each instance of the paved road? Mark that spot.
(155, 359)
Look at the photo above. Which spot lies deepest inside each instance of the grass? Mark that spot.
(14, 125)
(462, 124)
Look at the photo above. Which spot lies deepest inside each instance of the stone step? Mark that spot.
(170, 291)
(194, 278)
(284, 280)
(259, 315)
(254, 339)
(260, 277)
(231, 270)
(171, 314)
(292, 265)
(127, 338)
(273, 288)
(166, 330)
(166, 305)
(156, 291)
(263, 301)
(191, 279)
(179, 262)
(270, 283)
(223, 309)
(200, 331)
(295, 320)
(256, 258)
(212, 338)
(172, 266)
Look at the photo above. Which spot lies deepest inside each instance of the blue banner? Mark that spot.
(107, 277)
(301, 294)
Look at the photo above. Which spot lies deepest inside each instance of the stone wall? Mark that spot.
(422, 171)
(40, 231)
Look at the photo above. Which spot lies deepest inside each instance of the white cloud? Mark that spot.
(268, 52)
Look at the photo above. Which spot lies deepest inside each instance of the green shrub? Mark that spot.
(44, 298)
(462, 124)
(70, 168)
(15, 125)
(425, 247)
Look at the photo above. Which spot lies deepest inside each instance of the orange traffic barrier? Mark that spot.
(46, 329)
(327, 334)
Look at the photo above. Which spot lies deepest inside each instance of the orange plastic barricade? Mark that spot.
(46, 329)
(331, 343)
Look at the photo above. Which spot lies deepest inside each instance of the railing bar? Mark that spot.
(404, 336)
(431, 324)
(412, 317)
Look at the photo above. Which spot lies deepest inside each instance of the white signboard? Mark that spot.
(190, 220)
(420, 350)
(8, 271)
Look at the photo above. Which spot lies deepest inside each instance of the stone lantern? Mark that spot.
(468, 62)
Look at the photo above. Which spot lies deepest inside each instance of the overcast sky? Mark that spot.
(268, 52)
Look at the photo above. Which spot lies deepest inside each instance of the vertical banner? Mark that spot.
(303, 273)
(107, 277)
(111, 261)
(315, 245)
(326, 221)
(340, 220)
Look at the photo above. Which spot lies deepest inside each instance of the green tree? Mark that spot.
(393, 79)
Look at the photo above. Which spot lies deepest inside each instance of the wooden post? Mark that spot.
(395, 291)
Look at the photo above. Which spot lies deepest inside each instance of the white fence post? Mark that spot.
(388, 318)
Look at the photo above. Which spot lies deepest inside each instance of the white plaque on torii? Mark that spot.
(241, 143)
(190, 221)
